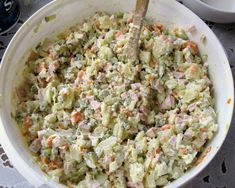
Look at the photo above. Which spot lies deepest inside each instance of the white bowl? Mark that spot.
(169, 12)
(219, 11)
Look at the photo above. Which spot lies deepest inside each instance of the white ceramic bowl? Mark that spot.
(219, 11)
(169, 12)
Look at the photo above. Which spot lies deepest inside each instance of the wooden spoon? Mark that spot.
(133, 44)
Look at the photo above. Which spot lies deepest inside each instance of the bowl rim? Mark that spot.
(222, 11)
(8, 146)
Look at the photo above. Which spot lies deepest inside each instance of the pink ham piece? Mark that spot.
(188, 134)
(168, 103)
(83, 125)
(152, 132)
(108, 67)
(182, 118)
(58, 142)
(157, 86)
(124, 95)
(178, 75)
(143, 109)
(53, 66)
(135, 86)
(41, 133)
(94, 184)
(172, 141)
(133, 130)
(95, 104)
(192, 107)
(35, 146)
(156, 158)
(134, 96)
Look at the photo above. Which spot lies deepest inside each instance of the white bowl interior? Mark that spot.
(67, 12)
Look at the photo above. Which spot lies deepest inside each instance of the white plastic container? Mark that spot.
(219, 11)
(169, 12)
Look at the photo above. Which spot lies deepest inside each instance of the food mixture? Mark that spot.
(92, 118)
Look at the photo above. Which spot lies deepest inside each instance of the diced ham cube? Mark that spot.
(35, 146)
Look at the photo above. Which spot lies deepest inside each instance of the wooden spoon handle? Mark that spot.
(140, 11)
(133, 45)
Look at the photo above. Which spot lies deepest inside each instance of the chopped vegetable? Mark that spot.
(92, 118)
(50, 18)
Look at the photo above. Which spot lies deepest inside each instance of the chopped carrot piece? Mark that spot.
(158, 150)
(118, 34)
(45, 160)
(76, 117)
(174, 94)
(80, 75)
(50, 140)
(90, 82)
(27, 123)
(184, 151)
(165, 127)
(150, 77)
(229, 100)
(192, 45)
(130, 20)
(149, 45)
(158, 31)
(127, 112)
(52, 166)
(61, 126)
(56, 163)
(203, 129)
(193, 69)
(158, 25)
